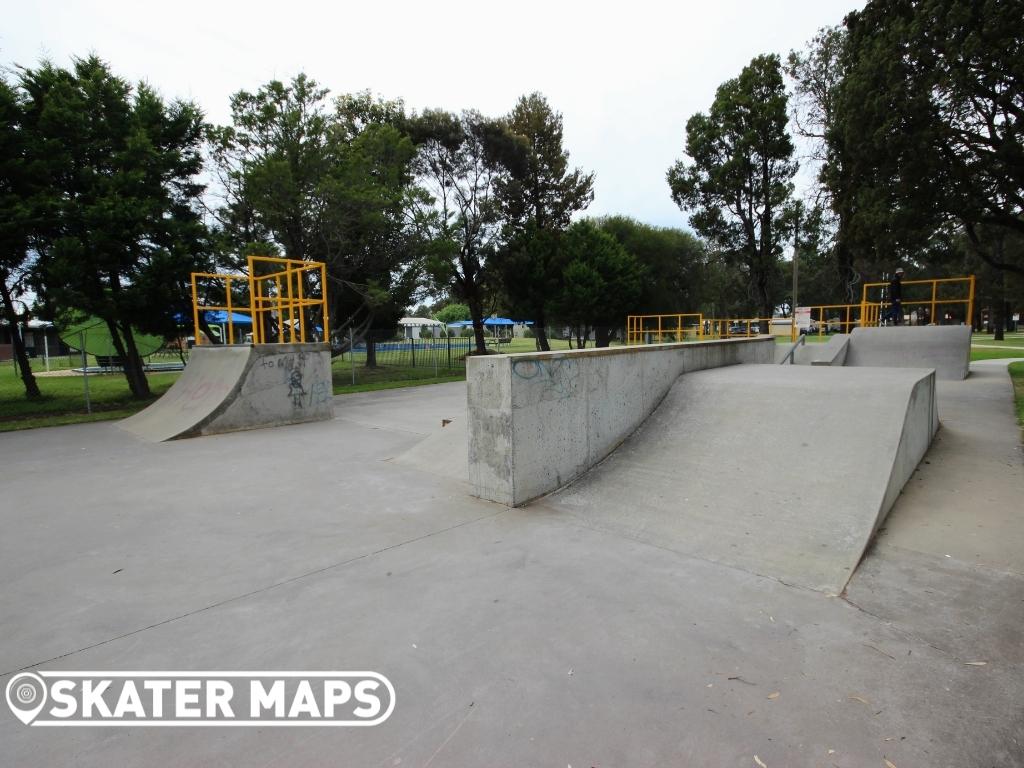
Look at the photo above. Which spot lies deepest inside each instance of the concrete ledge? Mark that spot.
(946, 348)
(539, 420)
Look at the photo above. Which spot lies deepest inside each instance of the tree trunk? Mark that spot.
(766, 307)
(139, 391)
(476, 313)
(602, 336)
(134, 361)
(371, 350)
(479, 338)
(540, 332)
(999, 305)
(204, 328)
(18, 343)
(999, 311)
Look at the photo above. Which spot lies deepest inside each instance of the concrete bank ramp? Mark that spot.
(784, 471)
(946, 348)
(231, 388)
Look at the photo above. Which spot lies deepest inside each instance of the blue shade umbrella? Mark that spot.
(488, 321)
(220, 316)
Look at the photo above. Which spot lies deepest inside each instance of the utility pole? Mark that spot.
(796, 261)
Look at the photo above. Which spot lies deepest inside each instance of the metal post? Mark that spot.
(970, 305)
(793, 330)
(352, 354)
(231, 321)
(302, 310)
(935, 288)
(433, 350)
(85, 372)
(254, 303)
(46, 349)
(195, 309)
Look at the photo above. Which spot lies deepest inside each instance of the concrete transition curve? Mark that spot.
(231, 388)
(783, 471)
(946, 348)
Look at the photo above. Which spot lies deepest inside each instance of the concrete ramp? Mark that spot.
(784, 471)
(946, 348)
(231, 388)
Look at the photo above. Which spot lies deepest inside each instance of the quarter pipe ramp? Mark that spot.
(231, 388)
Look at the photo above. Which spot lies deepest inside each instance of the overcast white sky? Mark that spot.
(626, 76)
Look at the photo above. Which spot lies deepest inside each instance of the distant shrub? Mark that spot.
(529, 334)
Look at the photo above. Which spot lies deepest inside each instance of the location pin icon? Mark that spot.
(26, 695)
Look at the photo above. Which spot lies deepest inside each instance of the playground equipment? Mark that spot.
(279, 378)
(280, 305)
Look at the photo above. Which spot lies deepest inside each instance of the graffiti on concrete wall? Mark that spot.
(557, 377)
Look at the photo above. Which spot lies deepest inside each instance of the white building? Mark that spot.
(412, 327)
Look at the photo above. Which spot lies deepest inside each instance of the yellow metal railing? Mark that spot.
(929, 297)
(664, 329)
(277, 293)
(825, 318)
(733, 327)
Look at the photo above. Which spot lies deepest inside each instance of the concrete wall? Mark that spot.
(539, 420)
(946, 348)
(920, 426)
(282, 384)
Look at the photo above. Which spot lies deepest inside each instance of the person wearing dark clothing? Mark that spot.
(895, 312)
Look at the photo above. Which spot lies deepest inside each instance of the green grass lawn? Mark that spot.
(1017, 376)
(64, 402)
(981, 353)
(1011, 340)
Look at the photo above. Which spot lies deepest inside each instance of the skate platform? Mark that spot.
(237, 387)
(946, 348)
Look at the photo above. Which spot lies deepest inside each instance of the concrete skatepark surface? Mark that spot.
(231, 388)
(785, 471)
(513, 636)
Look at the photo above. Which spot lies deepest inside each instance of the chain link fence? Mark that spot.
(382, 356)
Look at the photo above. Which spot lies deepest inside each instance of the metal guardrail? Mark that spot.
(824, 318)
(931, 299)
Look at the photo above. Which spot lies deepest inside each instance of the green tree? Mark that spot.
(817, 73)
(120, 228)
(739, 180)
(537, 198)
(461, 159)
(452, 313)
(602, 282)
(531, 265)
(673, 262)
(16, 223)
(322, 184)
(928, 126)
